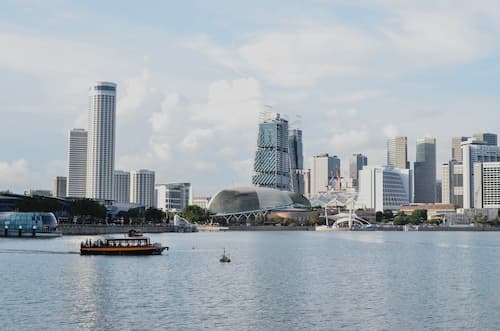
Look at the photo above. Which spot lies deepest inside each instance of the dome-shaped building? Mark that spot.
(254, 201)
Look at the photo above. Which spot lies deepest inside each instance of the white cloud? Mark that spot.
(219, 54)
(244, 170)
(136, 91)
(162, 150)
(205, 166)
(14, 173)
(391, 131)
(357, 96)
(304, 56)
(160, 121)
(231, 105)
(437, 38)
(35, 54)
(135, 161)
(196, 138)
(346, 141)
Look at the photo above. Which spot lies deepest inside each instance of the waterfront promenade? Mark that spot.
(102, 229)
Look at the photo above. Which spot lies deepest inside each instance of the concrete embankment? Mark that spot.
(271, 228)
(102, 229)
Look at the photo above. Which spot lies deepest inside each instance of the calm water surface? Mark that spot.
(277, 281)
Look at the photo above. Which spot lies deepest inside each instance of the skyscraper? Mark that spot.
(452, 183)
(101, 141)
(486, 184)
(324, 168)
(490, 139)
(384, 188)
(121, 186)
(77, 163)
(397, 153)
(356, 164)
(475, 150)
(425, 171)
(456, 148)
(272, 163)
(59, 185)
(142, 187)
(296, 161)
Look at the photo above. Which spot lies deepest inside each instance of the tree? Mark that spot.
(38, 203)
(401, 219)
(155, 215)
(379, 216)
(195, 214)
(88, 208)
(418, 216)
(134, 215)
(388, 215)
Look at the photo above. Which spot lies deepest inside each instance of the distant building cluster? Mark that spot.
(91, 164)
(471, 178)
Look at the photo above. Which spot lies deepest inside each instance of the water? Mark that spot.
(277, 281)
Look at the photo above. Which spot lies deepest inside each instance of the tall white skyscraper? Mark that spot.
(475, 150)
(121, 186)
(397, 153)
(142, 187)
(77, 163)
(101, 141)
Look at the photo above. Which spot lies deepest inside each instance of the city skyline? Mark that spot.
(187, 99)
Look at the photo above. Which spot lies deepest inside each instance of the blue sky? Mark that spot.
(193, 76)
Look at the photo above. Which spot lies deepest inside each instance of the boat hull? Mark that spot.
(122, 250)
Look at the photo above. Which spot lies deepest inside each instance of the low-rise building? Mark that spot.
(433, 209)
(173, 196)
(201, 202)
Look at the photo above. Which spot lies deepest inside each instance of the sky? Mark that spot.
(193, 77)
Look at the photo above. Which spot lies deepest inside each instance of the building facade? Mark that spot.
(475, 150)
(77, 163)
(382, 188)
(307, 182)
(201, 202)
(357, 162)
(121, 186)
(397, 153)
(272, 162)
(101, 141)
(425, 171)
(452, 187)
(59, 185)
(173, 196)
(490, 139)
(142, 188)
(487, 185)
(456, 148)
(296, 161)
(38, 193)
(323, 170)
